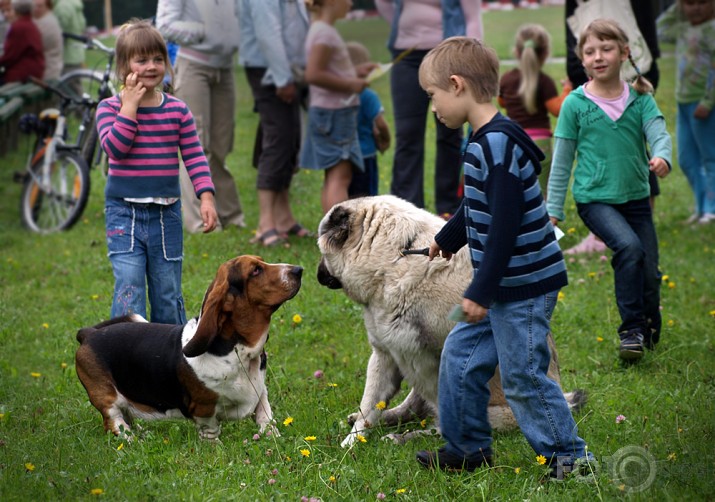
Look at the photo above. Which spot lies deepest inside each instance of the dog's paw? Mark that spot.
(398, 439)
(352, 418)
(209, 432)
(349, 440)
(269, 430)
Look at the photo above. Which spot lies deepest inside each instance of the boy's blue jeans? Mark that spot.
(628, 230)
(514, 335)
(145, 243)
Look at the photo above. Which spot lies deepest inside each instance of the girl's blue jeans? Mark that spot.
(696, 155)
(145, 243)
(513, 335)
(628, 230)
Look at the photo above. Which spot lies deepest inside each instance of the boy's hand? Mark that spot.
(286, 93)
(208, 212)
(701, 112)
(659, 167)
(473, 311)
(434, 250)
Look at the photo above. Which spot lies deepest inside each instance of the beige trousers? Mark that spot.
(210, 94)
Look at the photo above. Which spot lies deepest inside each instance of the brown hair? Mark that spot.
(467, 57)
(358, 53)
(608, 29)
(532, 48)
(137, 37)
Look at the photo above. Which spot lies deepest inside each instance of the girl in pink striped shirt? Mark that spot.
(142, 130)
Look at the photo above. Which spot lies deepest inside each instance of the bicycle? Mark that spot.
(56, 180)
(88, 82)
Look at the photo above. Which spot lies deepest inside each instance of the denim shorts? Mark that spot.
(331, 136)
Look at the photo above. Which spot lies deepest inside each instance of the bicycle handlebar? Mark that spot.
(58, 91)
(91, 43)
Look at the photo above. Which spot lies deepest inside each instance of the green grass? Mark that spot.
(51, 442)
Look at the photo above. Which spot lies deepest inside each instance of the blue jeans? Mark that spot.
(145, 243)
(628, 230)
(514, 335)
(696, 155)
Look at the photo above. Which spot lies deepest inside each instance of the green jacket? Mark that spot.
(70, 14)
(611, 157)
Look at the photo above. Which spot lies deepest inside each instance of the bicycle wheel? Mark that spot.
(56, 203)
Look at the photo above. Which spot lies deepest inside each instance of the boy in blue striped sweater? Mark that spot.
(518, 271)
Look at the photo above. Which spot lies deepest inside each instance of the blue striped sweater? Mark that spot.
(511, 240)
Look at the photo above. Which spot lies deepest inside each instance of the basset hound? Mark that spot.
(212, 368)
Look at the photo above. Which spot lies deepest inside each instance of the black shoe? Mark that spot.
(631, 348)
(446, 461)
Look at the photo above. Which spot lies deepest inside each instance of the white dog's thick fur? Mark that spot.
(406, 301)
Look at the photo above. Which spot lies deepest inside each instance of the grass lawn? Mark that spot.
(52, 446)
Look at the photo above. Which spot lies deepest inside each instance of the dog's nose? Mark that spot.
(297, 271)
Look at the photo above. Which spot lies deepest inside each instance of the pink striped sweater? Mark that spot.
(143, 153)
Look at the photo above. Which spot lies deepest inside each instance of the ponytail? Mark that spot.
(641, 84)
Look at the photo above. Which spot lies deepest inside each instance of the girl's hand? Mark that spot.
(434, 250)
(364, 69)
(473, 311)
(133, 91)
(701, 112)
(208, 212)
(357, 85)
(659, 167)
(554, 221)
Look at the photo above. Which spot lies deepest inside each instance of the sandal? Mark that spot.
(299, 231)
(269, 238)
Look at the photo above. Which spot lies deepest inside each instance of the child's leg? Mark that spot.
(689, 154)
(520, 335)
(703, 133)
(164, 261)
(468, 361)
(335, 185)
(127, 254)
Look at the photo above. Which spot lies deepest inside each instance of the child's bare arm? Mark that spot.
(316, 72)
(381, 132)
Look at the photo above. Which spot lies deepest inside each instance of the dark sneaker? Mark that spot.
(582, 469)
(631, 348)
(446, 461)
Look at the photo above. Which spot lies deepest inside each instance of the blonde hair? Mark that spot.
(608, 29)
(137, 37)
(358, 53)
(532, 47)
(467, 57)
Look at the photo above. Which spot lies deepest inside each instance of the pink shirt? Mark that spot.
(613, 107)
(321, 33)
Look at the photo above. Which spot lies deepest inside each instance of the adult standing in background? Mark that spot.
(22, 55)
(420, 25)
(51, 32)
(207, 34)
(70, 14)
(272, 38)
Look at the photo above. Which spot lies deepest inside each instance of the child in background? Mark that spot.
(604, 125)
(373, 131)
(529, 95)
(518, 272)
(331, 140)
(142, 130)
(691, 25)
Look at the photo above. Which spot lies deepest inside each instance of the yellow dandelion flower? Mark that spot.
(591, 275)
(332, 385)
(599, 338)
(622, 487)
(96, 491)
(297, 319)
(712, 313)
(63, 366)
(310, 438)
(30, 467)
(205, 255)
(423, 423)
(561, 296)
(541, 460)
(35, 374)
(2, 416)
(400, 490)
(332, 479)
(672, 457)
(288, 421)
(166, 440)
(288, 459)
(45, 325)
(671, 323)
(361, 438)
(94, 297)
(305, 452)
(517, 470)
(665, 278)
(381, 405)
(671, 285)
(571, 230)
(120, 447)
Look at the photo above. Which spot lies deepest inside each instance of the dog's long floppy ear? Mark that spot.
(336, 229)
(213, 314)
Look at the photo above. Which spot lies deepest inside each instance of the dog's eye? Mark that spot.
(257, 271)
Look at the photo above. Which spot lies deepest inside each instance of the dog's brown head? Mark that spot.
(237, 307)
